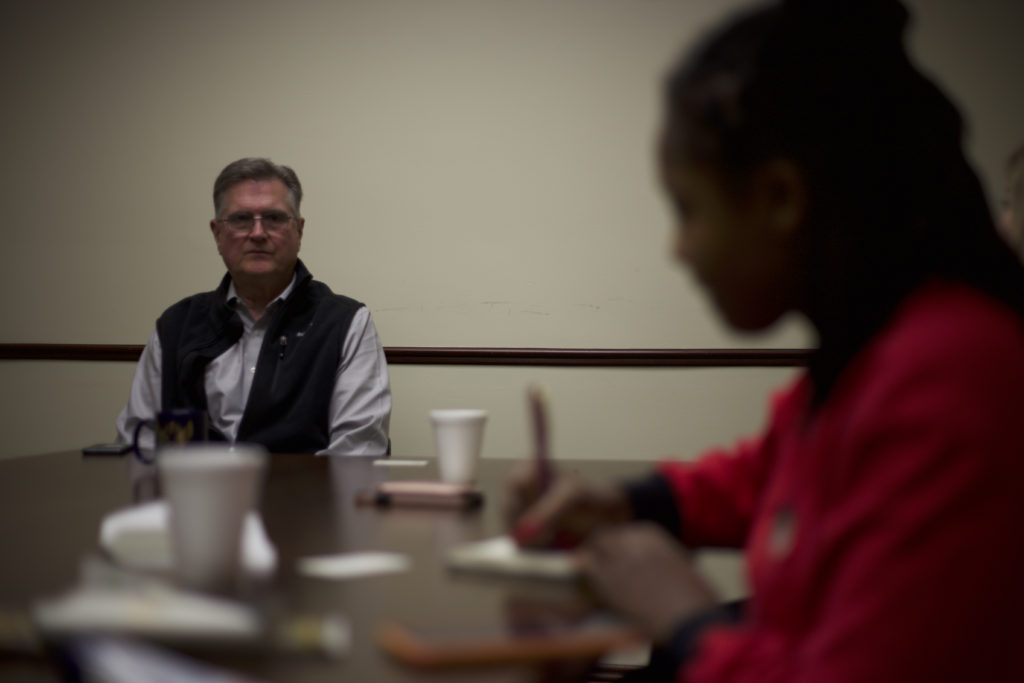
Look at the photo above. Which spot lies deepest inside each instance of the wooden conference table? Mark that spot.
(51, 507)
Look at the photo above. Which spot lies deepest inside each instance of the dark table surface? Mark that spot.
(51, 507)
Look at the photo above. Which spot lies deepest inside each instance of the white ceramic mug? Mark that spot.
(458, 437)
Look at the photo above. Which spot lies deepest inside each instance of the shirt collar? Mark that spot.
(232, 298)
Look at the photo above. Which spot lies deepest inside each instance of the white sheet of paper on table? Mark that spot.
(398, 462)
(148, 609)
(501, 555)
(353, 565)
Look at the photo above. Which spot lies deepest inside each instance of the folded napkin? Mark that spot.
(138, 537)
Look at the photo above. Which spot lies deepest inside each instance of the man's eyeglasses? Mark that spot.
(243, 223)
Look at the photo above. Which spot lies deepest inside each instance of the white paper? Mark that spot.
(353, 565)
(396, 462)
(152, 609)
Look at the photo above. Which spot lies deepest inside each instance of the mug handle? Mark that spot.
(135, 440)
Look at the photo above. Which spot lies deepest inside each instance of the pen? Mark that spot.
(463, 500)
(539, 416)
(525, 530)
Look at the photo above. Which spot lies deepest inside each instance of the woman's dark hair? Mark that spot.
(828, 84)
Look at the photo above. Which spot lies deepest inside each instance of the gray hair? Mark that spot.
(256, 168)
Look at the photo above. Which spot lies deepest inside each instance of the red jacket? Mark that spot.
(884, 531)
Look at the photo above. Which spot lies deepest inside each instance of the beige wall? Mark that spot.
(477, 171)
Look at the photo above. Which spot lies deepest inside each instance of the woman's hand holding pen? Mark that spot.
(557, 509)
(548, 509)
(637, 569)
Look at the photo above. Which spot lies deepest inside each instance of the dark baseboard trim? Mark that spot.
(128, 352)
(457, 355)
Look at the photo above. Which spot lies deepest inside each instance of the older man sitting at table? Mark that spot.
(272, 355)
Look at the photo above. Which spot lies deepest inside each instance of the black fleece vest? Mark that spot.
(294, 380)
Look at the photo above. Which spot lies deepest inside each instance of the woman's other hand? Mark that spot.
(643, 573)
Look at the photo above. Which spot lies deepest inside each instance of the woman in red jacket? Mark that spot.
(813, 168)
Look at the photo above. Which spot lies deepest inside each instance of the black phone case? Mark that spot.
(107, 449)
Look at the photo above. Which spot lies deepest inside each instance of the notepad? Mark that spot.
(501, 555)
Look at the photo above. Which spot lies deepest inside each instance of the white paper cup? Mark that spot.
(209, 490)
(458, 438)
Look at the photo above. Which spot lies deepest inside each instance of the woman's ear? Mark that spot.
(783, 195)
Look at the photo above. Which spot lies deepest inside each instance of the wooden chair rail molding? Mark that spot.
(458, 355)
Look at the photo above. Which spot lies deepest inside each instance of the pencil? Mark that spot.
(462, 501)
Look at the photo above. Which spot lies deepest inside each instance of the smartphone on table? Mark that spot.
(107, 449)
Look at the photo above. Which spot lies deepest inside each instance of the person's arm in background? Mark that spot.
(360, 410)
(632, 538)
(926, 566)
(705, 503)
(643, 570)
(144, 396)
(912, 568)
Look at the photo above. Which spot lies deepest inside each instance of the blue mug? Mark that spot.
(172, 427)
